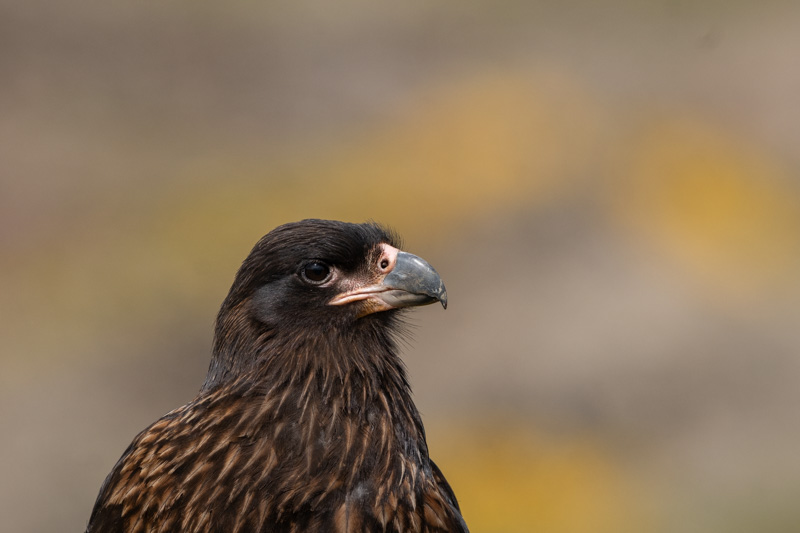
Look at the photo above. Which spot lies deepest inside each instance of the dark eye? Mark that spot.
(316, 272)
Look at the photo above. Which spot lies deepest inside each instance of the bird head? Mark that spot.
(315, 278)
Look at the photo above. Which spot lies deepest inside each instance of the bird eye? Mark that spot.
(316, 272)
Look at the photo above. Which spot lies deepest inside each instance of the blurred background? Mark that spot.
(609, 189)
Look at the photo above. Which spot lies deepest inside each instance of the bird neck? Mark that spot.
(246, 348)
(349, 373)
(340, 402)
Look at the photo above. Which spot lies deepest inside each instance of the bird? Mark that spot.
(305, 421)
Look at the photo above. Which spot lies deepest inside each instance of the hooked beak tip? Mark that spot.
(412, 282)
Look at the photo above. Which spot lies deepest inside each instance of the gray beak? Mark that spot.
(412, 282)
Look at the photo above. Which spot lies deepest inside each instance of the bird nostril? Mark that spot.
(386, 258)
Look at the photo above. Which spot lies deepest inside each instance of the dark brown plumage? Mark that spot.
(305, 421)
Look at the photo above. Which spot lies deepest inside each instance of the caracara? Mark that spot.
(305, 421)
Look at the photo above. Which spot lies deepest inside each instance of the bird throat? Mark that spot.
(329, 413)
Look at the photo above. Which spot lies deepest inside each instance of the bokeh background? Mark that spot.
(609, 189)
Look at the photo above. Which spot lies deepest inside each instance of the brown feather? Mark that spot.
(297, 428)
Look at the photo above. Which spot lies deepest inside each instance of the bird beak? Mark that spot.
(408, 282)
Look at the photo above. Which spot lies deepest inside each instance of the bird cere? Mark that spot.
(305, 420)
